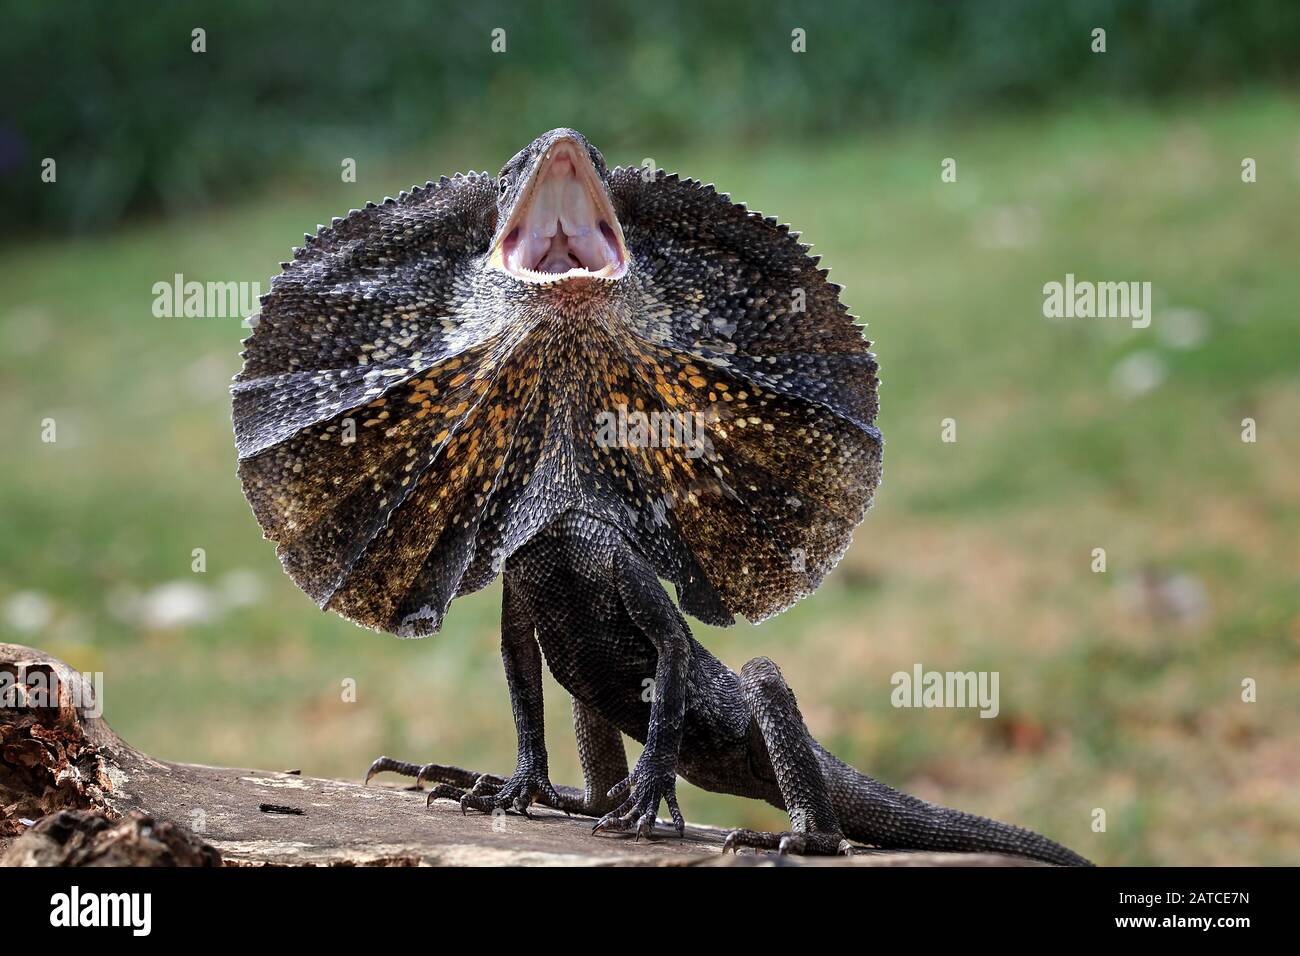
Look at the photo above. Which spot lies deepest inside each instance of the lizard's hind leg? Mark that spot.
(604, 761)
(600, 746)
(814, 827)
(604, 764)
(826, 798)
(433, 772)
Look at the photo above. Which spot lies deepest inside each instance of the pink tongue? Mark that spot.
(557, 258)
(562, 252)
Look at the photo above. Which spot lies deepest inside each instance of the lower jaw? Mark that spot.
(609, 271)
(572, 277)
(560, 263)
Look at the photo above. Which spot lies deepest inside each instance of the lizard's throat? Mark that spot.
(564, 226)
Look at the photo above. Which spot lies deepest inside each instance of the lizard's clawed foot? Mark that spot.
(801, 844)
(517, 792)
(645, 789)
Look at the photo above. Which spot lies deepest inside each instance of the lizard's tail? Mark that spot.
(874, 813)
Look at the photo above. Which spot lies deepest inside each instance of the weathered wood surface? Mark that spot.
(59, 757)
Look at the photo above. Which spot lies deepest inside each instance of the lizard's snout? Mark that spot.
(563, 225)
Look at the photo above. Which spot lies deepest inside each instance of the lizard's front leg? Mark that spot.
(523, 665)
(654, 778)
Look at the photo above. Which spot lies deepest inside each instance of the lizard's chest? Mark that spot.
(590, 644)
(601, 660)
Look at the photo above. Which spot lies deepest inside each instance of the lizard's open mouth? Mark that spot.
(563, 225)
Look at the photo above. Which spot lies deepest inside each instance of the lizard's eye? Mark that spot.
(503, 185)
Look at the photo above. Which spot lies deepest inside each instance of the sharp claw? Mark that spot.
(442, 791)
(612, 822)
(646, 826)
(796, 843)
(678, 821)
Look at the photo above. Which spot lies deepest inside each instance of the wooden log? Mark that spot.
(122, 806)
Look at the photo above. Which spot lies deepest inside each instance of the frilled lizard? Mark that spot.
(428, 397)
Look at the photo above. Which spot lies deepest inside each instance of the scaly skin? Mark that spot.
(592, 606)
(420, 410)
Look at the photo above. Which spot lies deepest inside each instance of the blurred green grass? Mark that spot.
(1117, 692)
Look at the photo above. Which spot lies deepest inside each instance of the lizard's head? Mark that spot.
(555, 217)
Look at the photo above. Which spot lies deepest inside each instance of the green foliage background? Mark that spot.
(139, 122)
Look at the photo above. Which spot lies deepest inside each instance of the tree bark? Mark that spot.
(122, 806)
